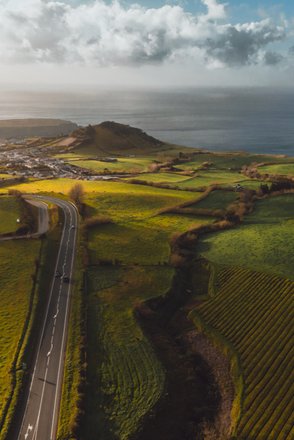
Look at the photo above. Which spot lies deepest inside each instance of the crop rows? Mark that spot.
(254, 311)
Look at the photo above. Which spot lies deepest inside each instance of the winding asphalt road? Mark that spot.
(41, 409)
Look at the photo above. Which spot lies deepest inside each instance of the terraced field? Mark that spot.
(125, 376)
(254, 312)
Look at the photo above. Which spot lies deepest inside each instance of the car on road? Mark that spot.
(57, 274)
(66, 279)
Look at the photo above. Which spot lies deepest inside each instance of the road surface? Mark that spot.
(40, 413)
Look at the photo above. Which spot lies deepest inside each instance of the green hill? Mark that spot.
(112, 138)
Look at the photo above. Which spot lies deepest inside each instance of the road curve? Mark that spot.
(41, 408)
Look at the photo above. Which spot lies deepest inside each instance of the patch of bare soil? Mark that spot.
(191, 395)
(220, 368)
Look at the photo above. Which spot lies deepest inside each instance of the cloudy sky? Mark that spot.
(147, 43)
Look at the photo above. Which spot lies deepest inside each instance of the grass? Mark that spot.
(254, 312)
(264, 242)
(123, 165)
(171, 178)
(217, 200)
(200, 180)
(206, 178)
(15, 257)
(71, 394)
(283, 169)
(227, 161)
(10, 211)
(62, 186)
(5, 176)
(126, 379)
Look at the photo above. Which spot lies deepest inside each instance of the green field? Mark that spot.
(255, 313)
(5, 176)
(126, 379)
(15, 257)
(264, 242)
(137, 242)
(283, 169)
(161, 177)
(123, 165)
(217, 200)
(207, 178)
(10, 211)
(126, 261)
(200, 180)
(227, 161)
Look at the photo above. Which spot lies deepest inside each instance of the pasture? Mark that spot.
(15, 257)
(264, 242)
(286, 169)
(10, 211)
(126, 378)
(122, 165)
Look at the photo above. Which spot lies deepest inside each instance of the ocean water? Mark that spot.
(254, 120)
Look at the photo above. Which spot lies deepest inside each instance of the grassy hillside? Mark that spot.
(35, 127)
(254, 312)
(110, 138)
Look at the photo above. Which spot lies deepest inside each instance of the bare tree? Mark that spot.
(77, 193)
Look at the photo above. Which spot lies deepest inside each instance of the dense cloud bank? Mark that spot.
(99, 33)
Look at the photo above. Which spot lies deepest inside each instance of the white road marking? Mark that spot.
(64, 330)
(30, 428)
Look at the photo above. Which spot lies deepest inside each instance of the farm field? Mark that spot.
(264, 242)
(62, 186)
(217, 200)
(126, 379)
(10, 211)
(254, 312)
(283, 169)
(200, 180)
(227, 161)
(5, 176)
(114, 378)
(206, 178)
(139, 254)
(122, 165)
(15, 257)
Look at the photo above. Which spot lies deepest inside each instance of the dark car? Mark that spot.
(66, 279)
